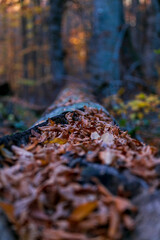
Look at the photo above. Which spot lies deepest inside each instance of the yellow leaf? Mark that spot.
(82, 211)
(138, 104)
(143, 104)
(140, 115)
(121, 91)
(132, 116)
(146, 110)
(57, 140)
(141, 96)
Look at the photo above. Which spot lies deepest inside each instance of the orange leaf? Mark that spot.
(42, 162)
(82, 211)
(51, 122)
(8, 210)
(31, 146)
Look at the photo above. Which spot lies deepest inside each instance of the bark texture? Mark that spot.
(105, 42)
(56, 47)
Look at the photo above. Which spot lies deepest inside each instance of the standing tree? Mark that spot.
(145, 32)
(55, 30)
(24, 40)
(152, 40)
(104, 45)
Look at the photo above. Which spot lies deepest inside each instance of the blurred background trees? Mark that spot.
(112, 45)
(109, 42)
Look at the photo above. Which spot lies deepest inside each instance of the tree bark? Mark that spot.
(152, 41)
(56, 50)
(24, 41)
(105, 42)
(146, 36)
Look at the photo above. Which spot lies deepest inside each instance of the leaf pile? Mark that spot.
(46, 199)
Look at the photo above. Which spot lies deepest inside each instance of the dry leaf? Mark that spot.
(42, 162)
(51, 122)
(8, 210)
(128, 221)
(123, 204)
(83, 211)
(95, 135)
(107, 157)
(57, 140)
(31, 146)
(114, 222)
(21, 152)
(108, 138)
(54, 234)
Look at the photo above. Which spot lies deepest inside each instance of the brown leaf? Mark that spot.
(123, 204)
(52, 234)
(114, 222)
(129, 222)
(21, 152)
(51, 122)
(31, 146)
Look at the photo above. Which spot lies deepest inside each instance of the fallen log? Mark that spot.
(78, 167)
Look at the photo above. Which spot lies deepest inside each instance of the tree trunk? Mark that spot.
(56, 51)
(105, 42)
(146, 36)
(152, 41)
(24, 41)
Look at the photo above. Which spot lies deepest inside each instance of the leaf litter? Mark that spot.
(45, 199)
